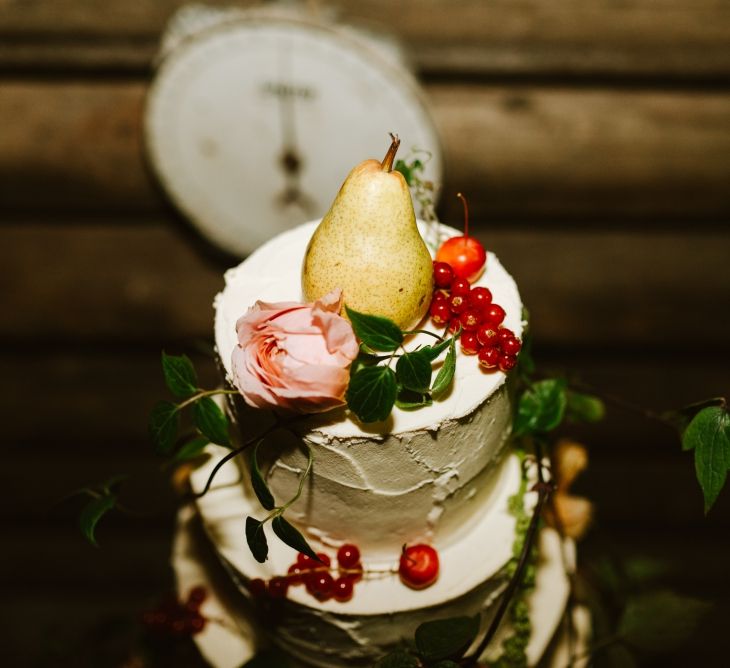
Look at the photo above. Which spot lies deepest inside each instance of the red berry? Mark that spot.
(306, 562)
(469, 319)
(489, 357)
(505, 333)
(469, 343)
(197, 624)
(342, 589)
(324, 560)
(197, 595)
(348, 556)
(278, 587)
(507, 362)
(439, 296)
(460, 286)
(443, 274)
(454, 325)
(487, 335)
(257, 587)
(465, 255)
(480, 298)
(511, 345)
(440, 312)
(320, 584)
(295, 575)
(354, 573)
(494, 314)
(419, 566)
(458, 303)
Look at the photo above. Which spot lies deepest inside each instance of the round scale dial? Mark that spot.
(253, 125)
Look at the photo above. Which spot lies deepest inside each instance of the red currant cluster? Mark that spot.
(176, 618)
(316, 576)
(459, 306)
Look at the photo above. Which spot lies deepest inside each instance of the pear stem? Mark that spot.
(466, 213)
(387, 163)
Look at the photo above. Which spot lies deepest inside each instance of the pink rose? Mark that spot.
(294, 356)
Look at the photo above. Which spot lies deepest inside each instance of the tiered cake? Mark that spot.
(440, 475)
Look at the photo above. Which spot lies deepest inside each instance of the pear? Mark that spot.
(368, 245)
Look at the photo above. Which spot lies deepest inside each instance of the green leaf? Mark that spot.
(584, 407)
(211, 421)
(432, 352)
(256, 539)
(446, 638)
(163, 426)
(374, 331)
(446, 664)
(362, 360)
(525, 361)
(708, 434)
(180, 376)
(446, 372)
(660, 621)
(413, 371)
(291, 536)
(408, 170)
(271, 657)
(191, 449)
(541, 407)
(260, 488)
(400, 658)
(409, 400)
(371, 393)
(92, 512)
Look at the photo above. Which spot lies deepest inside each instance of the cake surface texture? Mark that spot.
(441, 475)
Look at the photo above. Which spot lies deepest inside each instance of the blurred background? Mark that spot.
(592, 138)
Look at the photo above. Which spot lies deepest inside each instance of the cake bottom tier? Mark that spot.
(211, 547)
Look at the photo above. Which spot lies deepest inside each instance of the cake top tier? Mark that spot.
(273, 274)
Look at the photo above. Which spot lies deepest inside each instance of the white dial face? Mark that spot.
(252, 127)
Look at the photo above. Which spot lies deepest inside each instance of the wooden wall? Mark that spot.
(593, 140)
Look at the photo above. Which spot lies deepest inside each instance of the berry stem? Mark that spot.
(466, 213)
(387, 163)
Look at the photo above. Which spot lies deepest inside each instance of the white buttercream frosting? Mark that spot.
(424, 474)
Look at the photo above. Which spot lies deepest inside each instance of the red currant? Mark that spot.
(480, 298)
(507, 362)
(460, 286)
(320, 585)
(458, 303)
(487, 335)
(257, 587)
(511, 345)
(454, 325)
(469, 343)
(306, 562)
(348, 556)
(419, 566)
(197, 624)
(278, 586)
(197, 594)
(342, 589)
(443, 274)
(355, 573)
(505, 333)
(469, 319)
(440, 312)
(489, 357)
(324, 560)
(295, 575)
(439, 296)
(494, 314)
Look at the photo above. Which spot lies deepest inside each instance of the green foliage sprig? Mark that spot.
(375, 387)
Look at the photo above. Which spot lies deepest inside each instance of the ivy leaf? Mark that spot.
(191, 449)
(292, 537)
(541, 407)
(180, 376)
(375, 332)
(446, 372)
(271, 657)
(163, 425)
(409, 400)
(584, 407)
(92, 512)
(660, 621)
(708, 434)
(256, 539)
(400, 658)
(446, 638)
(371, 393)
(413, 371)
(211, 421)
(362, 360)
(432, 352)
(261, 489)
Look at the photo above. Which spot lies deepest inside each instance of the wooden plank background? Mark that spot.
(593, 140)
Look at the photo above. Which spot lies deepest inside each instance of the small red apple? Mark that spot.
(419, 566)
(465, 254)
